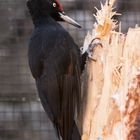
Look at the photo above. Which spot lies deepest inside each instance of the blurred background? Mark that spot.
(21, 114)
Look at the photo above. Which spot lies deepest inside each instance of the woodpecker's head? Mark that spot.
(49, 7)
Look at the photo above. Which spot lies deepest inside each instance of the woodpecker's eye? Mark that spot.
(54, 4)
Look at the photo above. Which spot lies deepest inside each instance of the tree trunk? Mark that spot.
(111, 89)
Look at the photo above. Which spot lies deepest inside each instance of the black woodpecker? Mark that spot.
(56, 65)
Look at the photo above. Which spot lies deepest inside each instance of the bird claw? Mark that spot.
(94, 43)
(90, 51)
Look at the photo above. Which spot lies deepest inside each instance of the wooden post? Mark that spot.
(111, 95)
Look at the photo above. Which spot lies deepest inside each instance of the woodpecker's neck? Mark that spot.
(43, 20)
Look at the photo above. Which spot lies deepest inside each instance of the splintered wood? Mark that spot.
(111, 109)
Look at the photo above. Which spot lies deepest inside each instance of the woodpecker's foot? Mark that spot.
(94, 43)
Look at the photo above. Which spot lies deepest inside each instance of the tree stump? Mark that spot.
(111, 89)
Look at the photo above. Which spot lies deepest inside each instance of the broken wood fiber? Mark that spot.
(111, 95)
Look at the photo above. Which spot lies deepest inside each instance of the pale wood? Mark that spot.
(111, 95)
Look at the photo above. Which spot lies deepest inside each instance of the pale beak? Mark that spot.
(69, 20)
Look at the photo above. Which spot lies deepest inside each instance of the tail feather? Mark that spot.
(75, 133)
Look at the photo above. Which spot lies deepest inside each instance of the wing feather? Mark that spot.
(58, 83)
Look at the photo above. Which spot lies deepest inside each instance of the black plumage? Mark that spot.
(55, 63)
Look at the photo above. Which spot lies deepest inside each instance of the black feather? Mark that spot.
(54, 61)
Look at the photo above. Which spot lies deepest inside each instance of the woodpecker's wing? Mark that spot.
(57, 73)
